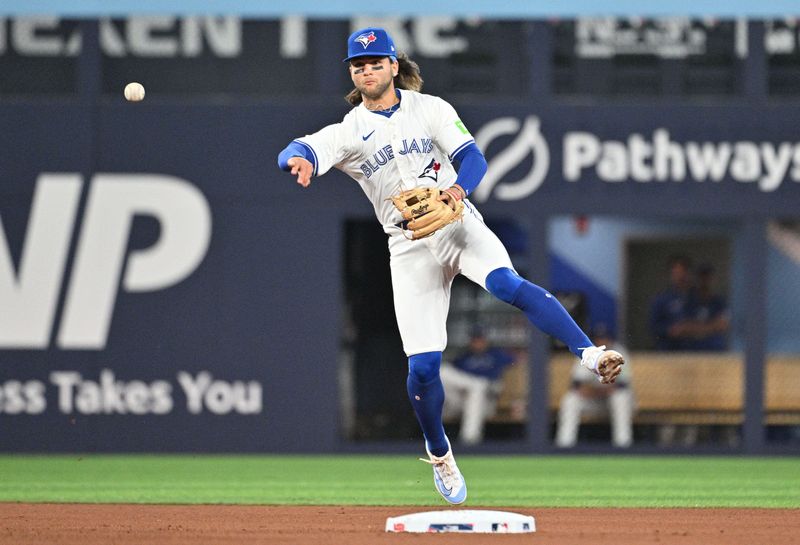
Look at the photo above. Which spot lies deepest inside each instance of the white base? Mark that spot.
(464, 521)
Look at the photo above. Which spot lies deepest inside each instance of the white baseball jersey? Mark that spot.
(413, 148)
(386, 155)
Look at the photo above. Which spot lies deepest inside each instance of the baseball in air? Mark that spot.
(134, 92)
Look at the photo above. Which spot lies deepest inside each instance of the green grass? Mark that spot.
(544, 481)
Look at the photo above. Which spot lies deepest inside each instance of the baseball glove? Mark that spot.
(426, 212)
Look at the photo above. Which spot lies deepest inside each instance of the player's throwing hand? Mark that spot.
(303, 168)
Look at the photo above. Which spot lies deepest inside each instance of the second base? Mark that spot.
(466, 521)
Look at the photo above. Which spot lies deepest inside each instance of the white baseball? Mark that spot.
(134, 91)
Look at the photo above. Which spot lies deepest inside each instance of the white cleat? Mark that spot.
(446, 477)
(606, 364)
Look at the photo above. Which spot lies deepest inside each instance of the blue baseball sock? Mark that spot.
(542, 309)
(426, 393)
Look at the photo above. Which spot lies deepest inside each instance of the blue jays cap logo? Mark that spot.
(366, 39)
(370, 42)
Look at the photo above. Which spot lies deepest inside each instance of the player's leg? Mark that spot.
(548, 314)
(485, 261)
(427, 397)
(542, 309)
(421, 298)
(426, 393)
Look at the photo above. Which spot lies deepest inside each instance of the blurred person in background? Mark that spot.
(472, 385)
(706, 329)
(586, 396)
(689, 316)
(707, 321)
(669, 309)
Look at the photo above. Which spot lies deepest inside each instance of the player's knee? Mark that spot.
(424, 367)
(503, 283)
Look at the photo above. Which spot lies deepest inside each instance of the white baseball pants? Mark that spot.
(423, 272)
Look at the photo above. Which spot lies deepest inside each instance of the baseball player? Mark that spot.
(472, 385)
(396, 140)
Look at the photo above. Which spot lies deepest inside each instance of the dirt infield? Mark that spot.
(66, 524)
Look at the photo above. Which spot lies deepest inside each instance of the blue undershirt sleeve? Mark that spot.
(295, 149)
(472, 169)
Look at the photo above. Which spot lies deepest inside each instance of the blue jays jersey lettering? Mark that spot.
(378, 159)
(387, 155)
(425, 145)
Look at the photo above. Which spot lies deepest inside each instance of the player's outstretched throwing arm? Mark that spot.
(313, 154)
(298, 159)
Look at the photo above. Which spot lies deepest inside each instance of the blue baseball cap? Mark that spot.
(370, 42)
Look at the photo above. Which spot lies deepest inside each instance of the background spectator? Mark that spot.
(472, 385)
(669, 309)
(707, 313)
(587, 396)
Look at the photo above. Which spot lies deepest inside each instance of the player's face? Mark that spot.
(372, 76)
(679, 274)
(479, 344)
